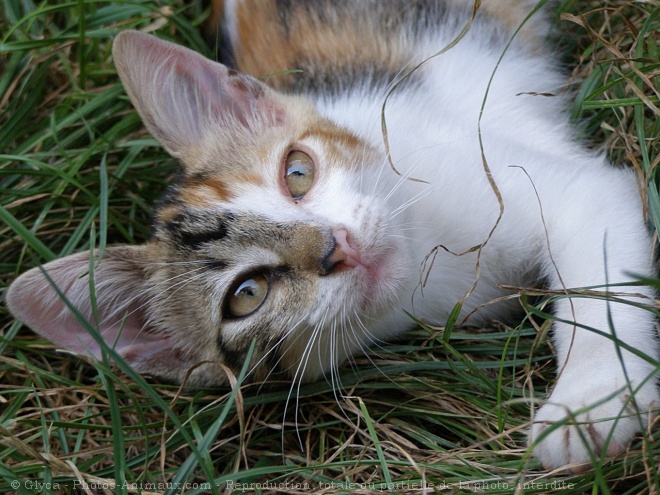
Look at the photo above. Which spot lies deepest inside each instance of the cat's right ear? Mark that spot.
(182, 96)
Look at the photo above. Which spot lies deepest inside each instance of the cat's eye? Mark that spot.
(298, 173)
(247, 295)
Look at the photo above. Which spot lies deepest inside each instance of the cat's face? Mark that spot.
(272, 233)
(280, 243)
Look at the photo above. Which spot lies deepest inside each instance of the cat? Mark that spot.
(316, 210)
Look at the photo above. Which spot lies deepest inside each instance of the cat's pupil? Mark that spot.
(248, 296)
(298, 174)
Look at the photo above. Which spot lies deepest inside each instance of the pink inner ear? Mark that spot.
(126, 335)
(33, 300)
(249, 100)
(182, 96)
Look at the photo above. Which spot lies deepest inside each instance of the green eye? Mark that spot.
(247, 296)
(298, 173)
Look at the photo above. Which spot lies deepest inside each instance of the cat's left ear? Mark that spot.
(182, 96)
(121, 303)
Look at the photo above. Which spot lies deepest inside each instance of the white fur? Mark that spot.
(568, 217)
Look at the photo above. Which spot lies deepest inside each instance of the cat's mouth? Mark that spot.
(380, 286)
(371, 270)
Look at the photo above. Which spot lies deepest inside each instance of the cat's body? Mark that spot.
(289, 225)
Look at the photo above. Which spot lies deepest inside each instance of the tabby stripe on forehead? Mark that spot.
(194, 230)
(196, 240)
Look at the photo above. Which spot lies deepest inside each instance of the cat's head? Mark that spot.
(271, 233)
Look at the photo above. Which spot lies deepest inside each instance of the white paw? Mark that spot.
(576, 428)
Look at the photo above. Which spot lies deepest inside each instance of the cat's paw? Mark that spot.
(588, 423)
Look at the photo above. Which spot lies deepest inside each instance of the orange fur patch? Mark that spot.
(167, 213)
(265, 46)
(202, 193)
(341, 145)
(333, 134)
(262, 46)
(270, 41)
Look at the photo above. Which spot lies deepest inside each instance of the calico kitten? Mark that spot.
(290, 225)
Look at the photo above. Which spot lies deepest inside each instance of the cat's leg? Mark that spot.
(603, 392)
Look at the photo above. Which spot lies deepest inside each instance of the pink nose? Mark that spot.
(345, 254)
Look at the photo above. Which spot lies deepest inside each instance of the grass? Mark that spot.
(77, 169)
